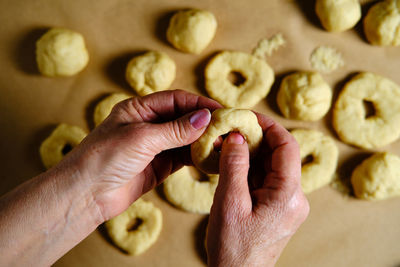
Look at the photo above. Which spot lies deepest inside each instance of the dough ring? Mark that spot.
(63, 139)
(151, 72)
(61, 52)
(351, 119)
(257, 74)
(137, 228)
(185, 192)
(377, 177)
(319, 155)
(104, 107)
(222, 122)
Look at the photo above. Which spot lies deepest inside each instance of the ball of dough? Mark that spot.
(377, 177)
(258, 76)
(351, 120)
(223, 121)
(104, 107)
(382, 23)
(63, 139)
(61, 52)
(320, 155)
(304, 96)
(184, 191)
(151, 72)
(338, 15)
(147, 222)
(192, 30)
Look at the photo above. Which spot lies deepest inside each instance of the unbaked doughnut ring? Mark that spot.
(222, 122)
(323, 154)
(351, 120)
(61, 141)
(185, 192)
(146, 221)
(104, 107)
(257, 73)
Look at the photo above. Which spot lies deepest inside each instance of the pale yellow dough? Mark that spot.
(338, 15)
(192, 30)
(258, 75)
(267, 46)
(304, 96)
(326, 59)
(377, 177)
(104, 107)
(51, 150)
(349, 114)
(184, 191)
(320, 171)
(151, 72)
(382, 23)
(222, 122)
(138, 240)
(61, 52)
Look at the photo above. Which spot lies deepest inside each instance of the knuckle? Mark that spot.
(179, 131)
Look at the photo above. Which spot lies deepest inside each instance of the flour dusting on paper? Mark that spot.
(326, 59)
(267, 46)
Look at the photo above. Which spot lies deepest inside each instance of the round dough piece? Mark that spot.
(258, 76)
(146, 220)
(222, 122)
(304, 96)
(192, 30)
(61, 52)
(104, 107)
(320, 154)
(382, 23)
(338, 15)
(377, 177)
(63, 139)
(185, 192)
(351, 120)
(151, 72)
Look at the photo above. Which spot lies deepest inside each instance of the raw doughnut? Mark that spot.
(222, 122)
(61, 140)
(304, 96)
(104, 107)
(257, 73)
(382, 23)
(323, 154)
(151, 72)
(184, 191)
(138, 240)
(377, 177)
(338, 15)
(191, 30)
(61, 52)
(351, 120)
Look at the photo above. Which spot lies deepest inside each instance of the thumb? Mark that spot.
(182, 131)
(232, 193)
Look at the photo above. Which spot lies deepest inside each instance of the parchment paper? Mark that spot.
(340, 231)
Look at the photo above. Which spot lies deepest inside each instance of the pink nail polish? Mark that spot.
(235, 138)
(200, 119)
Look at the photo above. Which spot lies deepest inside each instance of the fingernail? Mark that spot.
(200, 119)
(235, 138)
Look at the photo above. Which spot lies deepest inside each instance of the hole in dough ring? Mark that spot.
(349, 114)
(139, 240)
(185, 192)
(320, 170)
(51, 150)
(222, 122)
(104, 107)
(258, 76)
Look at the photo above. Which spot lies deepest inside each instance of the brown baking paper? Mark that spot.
(340, 231)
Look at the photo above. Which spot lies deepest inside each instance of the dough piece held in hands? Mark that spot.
(61, 52)
(151, 72)
(377, 177)
(192, 30)
(304, 96)
(184, 191)
(104, 107)
(338, 15)
(147, 222)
